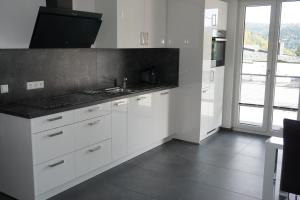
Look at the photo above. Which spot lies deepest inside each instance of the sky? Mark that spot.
(261, 14)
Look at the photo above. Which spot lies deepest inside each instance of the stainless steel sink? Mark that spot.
(119, 90)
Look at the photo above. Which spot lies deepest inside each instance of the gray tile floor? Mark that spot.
(227, 166)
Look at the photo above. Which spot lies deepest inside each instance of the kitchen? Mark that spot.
(123, 99)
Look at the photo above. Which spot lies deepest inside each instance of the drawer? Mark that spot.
(93, 111)
(52, 121)
(53, 143)
(93, 157)
(92, 131)
(120, 105)
(54, 173)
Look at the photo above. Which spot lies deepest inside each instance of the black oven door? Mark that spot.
(218, 52)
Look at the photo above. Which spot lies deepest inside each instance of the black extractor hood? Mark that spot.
(61, 27)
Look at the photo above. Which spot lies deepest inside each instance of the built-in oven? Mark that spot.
(218, 48)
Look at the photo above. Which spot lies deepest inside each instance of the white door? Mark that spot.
(255, 63)
(268, 78)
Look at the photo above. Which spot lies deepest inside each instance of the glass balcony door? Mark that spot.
(268, 79)
(255, 60)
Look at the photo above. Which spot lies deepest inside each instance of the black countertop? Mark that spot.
(84, 100)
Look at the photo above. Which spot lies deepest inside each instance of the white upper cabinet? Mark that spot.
(132, 23)
(184, 30)
(216, 14)
(155, 23)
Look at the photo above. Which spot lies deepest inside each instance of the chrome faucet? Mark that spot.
(124, 87)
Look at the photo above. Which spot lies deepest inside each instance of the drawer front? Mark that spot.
(93, 111)
(54, 173)
(52, 121)
(92, 131)
(93, 157)
(53, 143)
(120, 105)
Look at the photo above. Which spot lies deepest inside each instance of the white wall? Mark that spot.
(17, 19)
(230, 63)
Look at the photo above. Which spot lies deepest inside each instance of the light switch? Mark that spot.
(4, 89)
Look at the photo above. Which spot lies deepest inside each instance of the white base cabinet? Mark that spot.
(43, 156)
(119, 129)
(140, 122)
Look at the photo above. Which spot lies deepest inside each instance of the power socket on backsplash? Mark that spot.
(4, 89)
(35, 85)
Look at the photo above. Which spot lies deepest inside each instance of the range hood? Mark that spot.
(62, 27)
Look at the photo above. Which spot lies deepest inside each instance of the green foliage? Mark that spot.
(298, 51)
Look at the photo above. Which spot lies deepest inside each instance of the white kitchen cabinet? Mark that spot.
(92, 157)
(119, 129)
(216, 13)
(183, 24)
(155, 23)
(140, 122)
(54, 173)
(161, 107)
(55, 152)
(218, 96)
(132, 23)
(212, 103)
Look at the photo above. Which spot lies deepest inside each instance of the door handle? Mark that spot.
(94, 123)
(93, 109)
(56, 164)
(55, 134)
(54, 119)
(141, 98)
(94, 149)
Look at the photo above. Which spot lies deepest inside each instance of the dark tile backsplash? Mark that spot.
(67, 70)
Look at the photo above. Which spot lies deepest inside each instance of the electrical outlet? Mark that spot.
(4, 89)
(35, 85)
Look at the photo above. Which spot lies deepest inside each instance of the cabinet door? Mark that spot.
(222, 15)
(140, 122)
(205, 113)
(131, 23)
(218, 96)
(155, 22)
(119, 129)
(185, 19)
(161, 106)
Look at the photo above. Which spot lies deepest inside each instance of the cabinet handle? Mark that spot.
(56, 164)
(94, 149)
(164, 93)
(141, 98)
(142, 39)
(214, 20)
(54, 119)
(147, 39)
(55, 134)
(93, 109)
(94, 123)
(204, 91)
(120, 103)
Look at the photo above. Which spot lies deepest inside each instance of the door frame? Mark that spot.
(271, 60)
